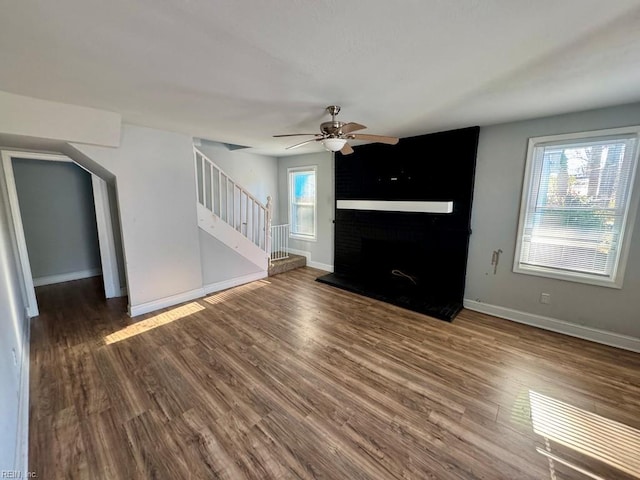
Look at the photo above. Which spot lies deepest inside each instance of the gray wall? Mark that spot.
(256, 173)
(12, 327)
(498, 186)
(220, 263)
(321, 251)
(58, 217)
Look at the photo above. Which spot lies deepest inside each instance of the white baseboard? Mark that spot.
(234, 282)
(165, 302)
(21, 463)
(320, 266)
(310, 263)
(560, 326)
(66, 277)
(135, 310)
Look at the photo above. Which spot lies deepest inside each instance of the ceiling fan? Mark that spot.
(334, 134)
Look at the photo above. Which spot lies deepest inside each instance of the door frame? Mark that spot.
(106, 243)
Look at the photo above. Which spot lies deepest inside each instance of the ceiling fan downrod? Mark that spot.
(333, 111)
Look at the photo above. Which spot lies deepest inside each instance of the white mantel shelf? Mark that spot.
(396, 206)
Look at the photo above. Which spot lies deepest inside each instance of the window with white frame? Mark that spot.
(302, 203)
(578, 205)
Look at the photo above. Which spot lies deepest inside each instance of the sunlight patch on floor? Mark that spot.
(521, 409)
(154, 322)
(608, 441)
(235, 292)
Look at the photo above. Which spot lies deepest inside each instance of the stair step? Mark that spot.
(286, 264)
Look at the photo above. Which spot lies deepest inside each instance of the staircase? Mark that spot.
(231, 214)
(290, 262)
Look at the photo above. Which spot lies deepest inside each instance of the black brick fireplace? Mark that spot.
(414, 259)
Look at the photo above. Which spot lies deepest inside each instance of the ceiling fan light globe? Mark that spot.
(334, 144)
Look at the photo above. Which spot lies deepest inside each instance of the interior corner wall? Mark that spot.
(258, 174)
(155, 177)
(321, 250)
(13, 351)
(58, 217)
(498, 187)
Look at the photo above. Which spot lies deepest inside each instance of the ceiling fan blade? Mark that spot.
(346, 150)
(352, 127)
(295, 134)
(375, 138)
(302, 143)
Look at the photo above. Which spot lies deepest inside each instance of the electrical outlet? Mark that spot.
(545, 298)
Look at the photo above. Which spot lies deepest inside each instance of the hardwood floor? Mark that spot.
(288, 378)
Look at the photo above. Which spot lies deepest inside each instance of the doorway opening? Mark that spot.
(66, 224)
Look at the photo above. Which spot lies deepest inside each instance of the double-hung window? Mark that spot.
(578, 204)
(302, 202)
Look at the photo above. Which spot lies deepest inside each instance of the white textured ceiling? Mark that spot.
(240, 71)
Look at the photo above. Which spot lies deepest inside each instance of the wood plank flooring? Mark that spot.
(287, 378)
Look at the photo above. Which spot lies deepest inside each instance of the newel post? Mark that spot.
(268, 227)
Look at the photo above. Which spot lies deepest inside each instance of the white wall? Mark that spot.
(58, 217)
(13, 326)
(114, 210)
(321, 250)
(256, 173)
(35, 118)
(498, 186)
(155, 183)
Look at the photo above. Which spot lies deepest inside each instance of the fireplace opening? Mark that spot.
(420, 270)
(409, 265)
(393, 264)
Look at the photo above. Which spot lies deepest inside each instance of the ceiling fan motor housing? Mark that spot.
(332, 129)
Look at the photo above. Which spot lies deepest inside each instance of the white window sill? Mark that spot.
(303, 238)
(569, 277)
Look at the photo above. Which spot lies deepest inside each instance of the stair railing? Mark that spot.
(230, 202)
(279, 242)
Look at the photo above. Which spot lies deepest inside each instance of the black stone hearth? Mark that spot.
(413, 260)
(405, 296)
(403, 259)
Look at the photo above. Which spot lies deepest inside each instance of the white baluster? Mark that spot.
(204, 195)
(220, 192)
